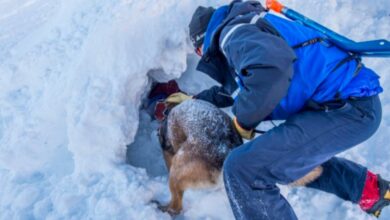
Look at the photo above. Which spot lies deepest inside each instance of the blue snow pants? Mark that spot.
(291, 150)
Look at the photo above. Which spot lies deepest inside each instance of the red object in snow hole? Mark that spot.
(160, 111)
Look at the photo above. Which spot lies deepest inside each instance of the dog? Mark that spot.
(195, 138)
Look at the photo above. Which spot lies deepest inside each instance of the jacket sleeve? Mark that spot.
(264, 65)
(217, 96)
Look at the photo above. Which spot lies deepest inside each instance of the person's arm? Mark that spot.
(217, 96)
(264, 64)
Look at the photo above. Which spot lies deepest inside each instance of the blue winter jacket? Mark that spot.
(256, 65)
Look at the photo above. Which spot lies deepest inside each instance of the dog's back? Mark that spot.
(196, 139)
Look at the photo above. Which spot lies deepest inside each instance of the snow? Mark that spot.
(72, 78)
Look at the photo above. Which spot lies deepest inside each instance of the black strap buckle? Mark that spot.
(308, 42)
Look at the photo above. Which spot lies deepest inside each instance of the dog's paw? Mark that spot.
(155, 202)
(166, 208)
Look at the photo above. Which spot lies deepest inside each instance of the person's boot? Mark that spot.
(384, 197)
(375, 195)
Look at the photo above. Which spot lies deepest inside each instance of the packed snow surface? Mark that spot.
(72, 78)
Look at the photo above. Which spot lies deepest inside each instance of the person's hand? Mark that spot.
(177, 98)
(246, 134)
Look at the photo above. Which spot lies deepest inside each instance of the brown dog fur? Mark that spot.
(187, 157)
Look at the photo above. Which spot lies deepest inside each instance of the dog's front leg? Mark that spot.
(176, 204)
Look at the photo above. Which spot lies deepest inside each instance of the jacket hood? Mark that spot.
(239, 7)
(236, 8)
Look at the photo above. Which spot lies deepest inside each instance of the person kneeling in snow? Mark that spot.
(271, 68)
